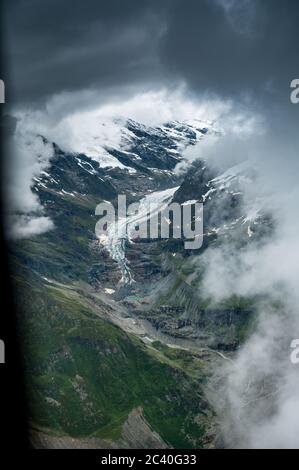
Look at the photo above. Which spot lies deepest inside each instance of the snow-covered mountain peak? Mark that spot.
(126, 144)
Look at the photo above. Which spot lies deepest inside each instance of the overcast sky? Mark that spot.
(238, 48)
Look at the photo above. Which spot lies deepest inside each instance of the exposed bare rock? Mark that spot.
(136, 434)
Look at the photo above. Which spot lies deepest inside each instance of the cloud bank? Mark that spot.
(258, 401)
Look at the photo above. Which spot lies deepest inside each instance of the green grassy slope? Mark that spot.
(85, 375)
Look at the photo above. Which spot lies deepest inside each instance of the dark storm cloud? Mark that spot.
(55, 45)
(229, 47)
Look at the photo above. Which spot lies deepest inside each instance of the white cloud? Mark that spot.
(29, 155)
(148, 107)
(23, 226)
(259, 398)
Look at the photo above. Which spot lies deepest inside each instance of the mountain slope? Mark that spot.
(99, 345)
(85, 375)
